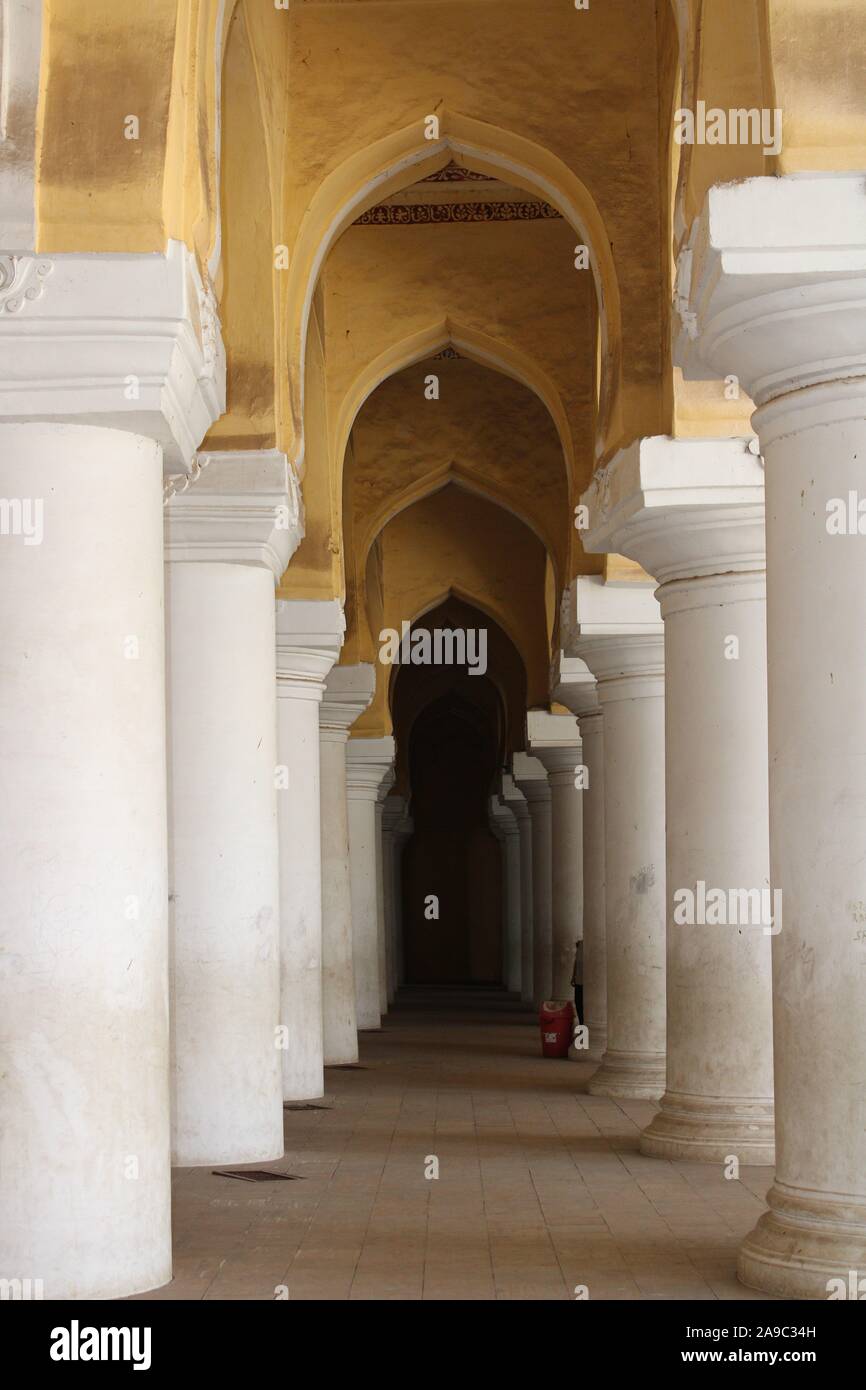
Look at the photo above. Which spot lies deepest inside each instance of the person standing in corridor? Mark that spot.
(577, 980)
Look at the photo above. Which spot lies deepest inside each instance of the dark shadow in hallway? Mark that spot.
(452, 874)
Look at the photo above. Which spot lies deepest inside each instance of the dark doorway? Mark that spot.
(451, 866)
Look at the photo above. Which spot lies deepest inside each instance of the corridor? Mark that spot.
(541, 1187)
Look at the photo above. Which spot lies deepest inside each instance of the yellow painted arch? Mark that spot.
(487, 351)
(460, 477)
(402, 158)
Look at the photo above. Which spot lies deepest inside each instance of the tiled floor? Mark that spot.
(541, 1187)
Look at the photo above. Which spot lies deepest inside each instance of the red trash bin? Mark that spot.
(557, 1027)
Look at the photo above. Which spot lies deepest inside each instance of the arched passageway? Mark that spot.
(452, 923)
(455, 725)
(494, 324)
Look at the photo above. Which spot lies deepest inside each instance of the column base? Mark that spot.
(597, 1044)
(300, 1095)
(711, 1130)
(593, 1054)
(803, 1242)
(630, 1076)
(229, 1157)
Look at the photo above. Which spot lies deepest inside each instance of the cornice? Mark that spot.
(526, 768)
(594, 609)
(530, 775)
(572, 684)
(771, 286)
(348, 692)
(369, 765)
(245, 508)
(131, 342)
(512, 795)
(554, 739)
(681, 508)
(309, 636)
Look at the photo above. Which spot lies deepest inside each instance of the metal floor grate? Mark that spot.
(255, 1175)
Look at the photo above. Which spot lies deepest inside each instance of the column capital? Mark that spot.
(309, 637)
(530, 774)
(393, 813)
(572, 684)
(682, 508)
(244, 508)
(131, 342)
(503, 821)
(369, 761)
(618, 631)
(771, 284)
(384, 788)
(554, 739)
(348, 692)
(512, 795)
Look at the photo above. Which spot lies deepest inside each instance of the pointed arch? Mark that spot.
(472, 600)
(480, 348)
(460, 477)
(494, 675)
(405, 156)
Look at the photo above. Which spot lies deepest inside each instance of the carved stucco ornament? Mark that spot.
(22, 279)
(177, 483)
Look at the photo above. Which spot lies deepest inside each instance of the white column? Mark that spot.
(225, 548)
(309, 637)
(348, 692)
(692, 513)
(84, 1082)
(531, 777)
(775, 295)
(575, 687)
(504, 827)
(555, 741)
(381, 903)
(368, 762)
(517, 804)
(84, 1100)
(619, 634)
